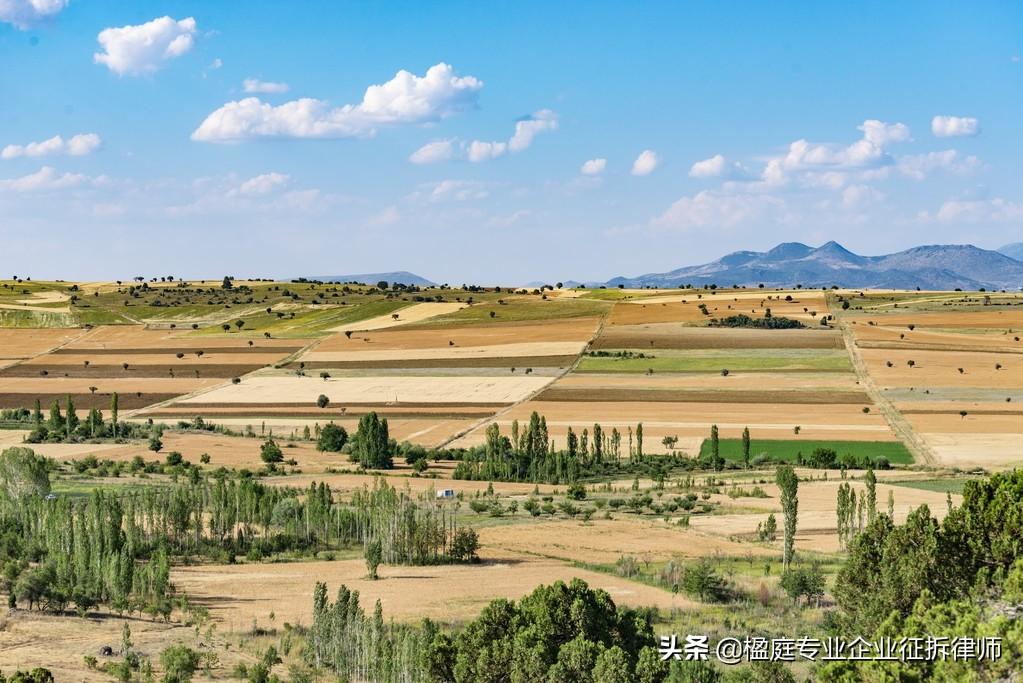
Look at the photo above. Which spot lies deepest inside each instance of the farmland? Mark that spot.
(612, 435)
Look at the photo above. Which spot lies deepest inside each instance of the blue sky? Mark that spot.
(708, 127)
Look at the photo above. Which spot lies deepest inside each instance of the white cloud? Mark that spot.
(995, 210)
(457, 190)
(858, 195)
(880, 133)
(24, 14)
(387, 216)
(918, 166)
(593, 167)
(216, 64)
(645, 163)
(46, 179)
(485, 151)
(254, 85)
(526, 129)
(142, 49)
(262, 184)
(405, 99)
(718, 167)
(433, 152)
(955, 126)
(718, 210)
(78, 145)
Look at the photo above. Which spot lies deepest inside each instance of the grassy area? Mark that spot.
(521, 309)
(824, 360)
(311, 321)
(14, 318)
(787, 449)
(945, 485)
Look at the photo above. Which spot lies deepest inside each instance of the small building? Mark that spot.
(446, 493)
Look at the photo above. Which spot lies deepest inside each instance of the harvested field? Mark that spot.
(693, 420)
(483, 334)
(375, 390)
(940, 369)
(18, 343)
(137, 337)
(235, 595)
(686, 307)
(293, 412)
(134, 358)
(506, 362)
(896, 337)
(675, 336)
(122, 385)
(736, 381)
(997, 318)
(565, 393)
(790, 360)
(991, 451)
(404, 316)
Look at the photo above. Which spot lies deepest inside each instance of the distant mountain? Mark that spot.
(1014, 250)
(402, 276)
(943, 266)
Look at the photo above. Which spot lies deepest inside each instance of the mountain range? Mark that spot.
(402, 276)
(941, 267)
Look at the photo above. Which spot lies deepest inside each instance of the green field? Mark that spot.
(521, 309)
(945, 485)
(821, 360)
(787, 449)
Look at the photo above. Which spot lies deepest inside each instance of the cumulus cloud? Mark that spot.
(526, 129)
(78, 145)
(405, 99)
(955, 126)
(858, 195)
(24, 14)
(718, 167)
(919, 166)
(593, 167)
(47, 179)
(997, 210)
(143, 48)
(433, 152)
(262, 184)
(880, 133)
(645, 163)
(254, 85)
(717, 209)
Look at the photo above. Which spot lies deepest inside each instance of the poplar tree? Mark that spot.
(788, 482)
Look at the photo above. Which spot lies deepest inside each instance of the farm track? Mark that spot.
(898, 423)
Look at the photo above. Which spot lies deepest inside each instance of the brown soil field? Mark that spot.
(172, 351)
(183, 369)
(302, 413)
(140, 338)
(736, 381)
(276, 389)
(62, 451)
(484, 362)
(511, 351)
(347, 482)
(83, 401)
(675, 336)
(133, 358)
(17, 343)
(565, 393)
(952, 423)
(885, 337)
(402, 338)
(999, 318)
(235, 595)
(940, 369)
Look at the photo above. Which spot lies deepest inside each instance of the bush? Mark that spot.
(464, 545)
(179, 663)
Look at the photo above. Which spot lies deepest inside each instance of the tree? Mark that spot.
(374, 555)
(155, 444)
(23, 473)
(700, 579)
(322, 401)
(227, 284)
(788, 482)
(332, 438)
(270, 452)
(803, 582)
(179, 663)
(871, 480)
(239, 324)
(371, 445)
(113, 414)
(464, 545)
(745, 446)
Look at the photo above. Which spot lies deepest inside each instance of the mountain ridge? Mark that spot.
(933, 266)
